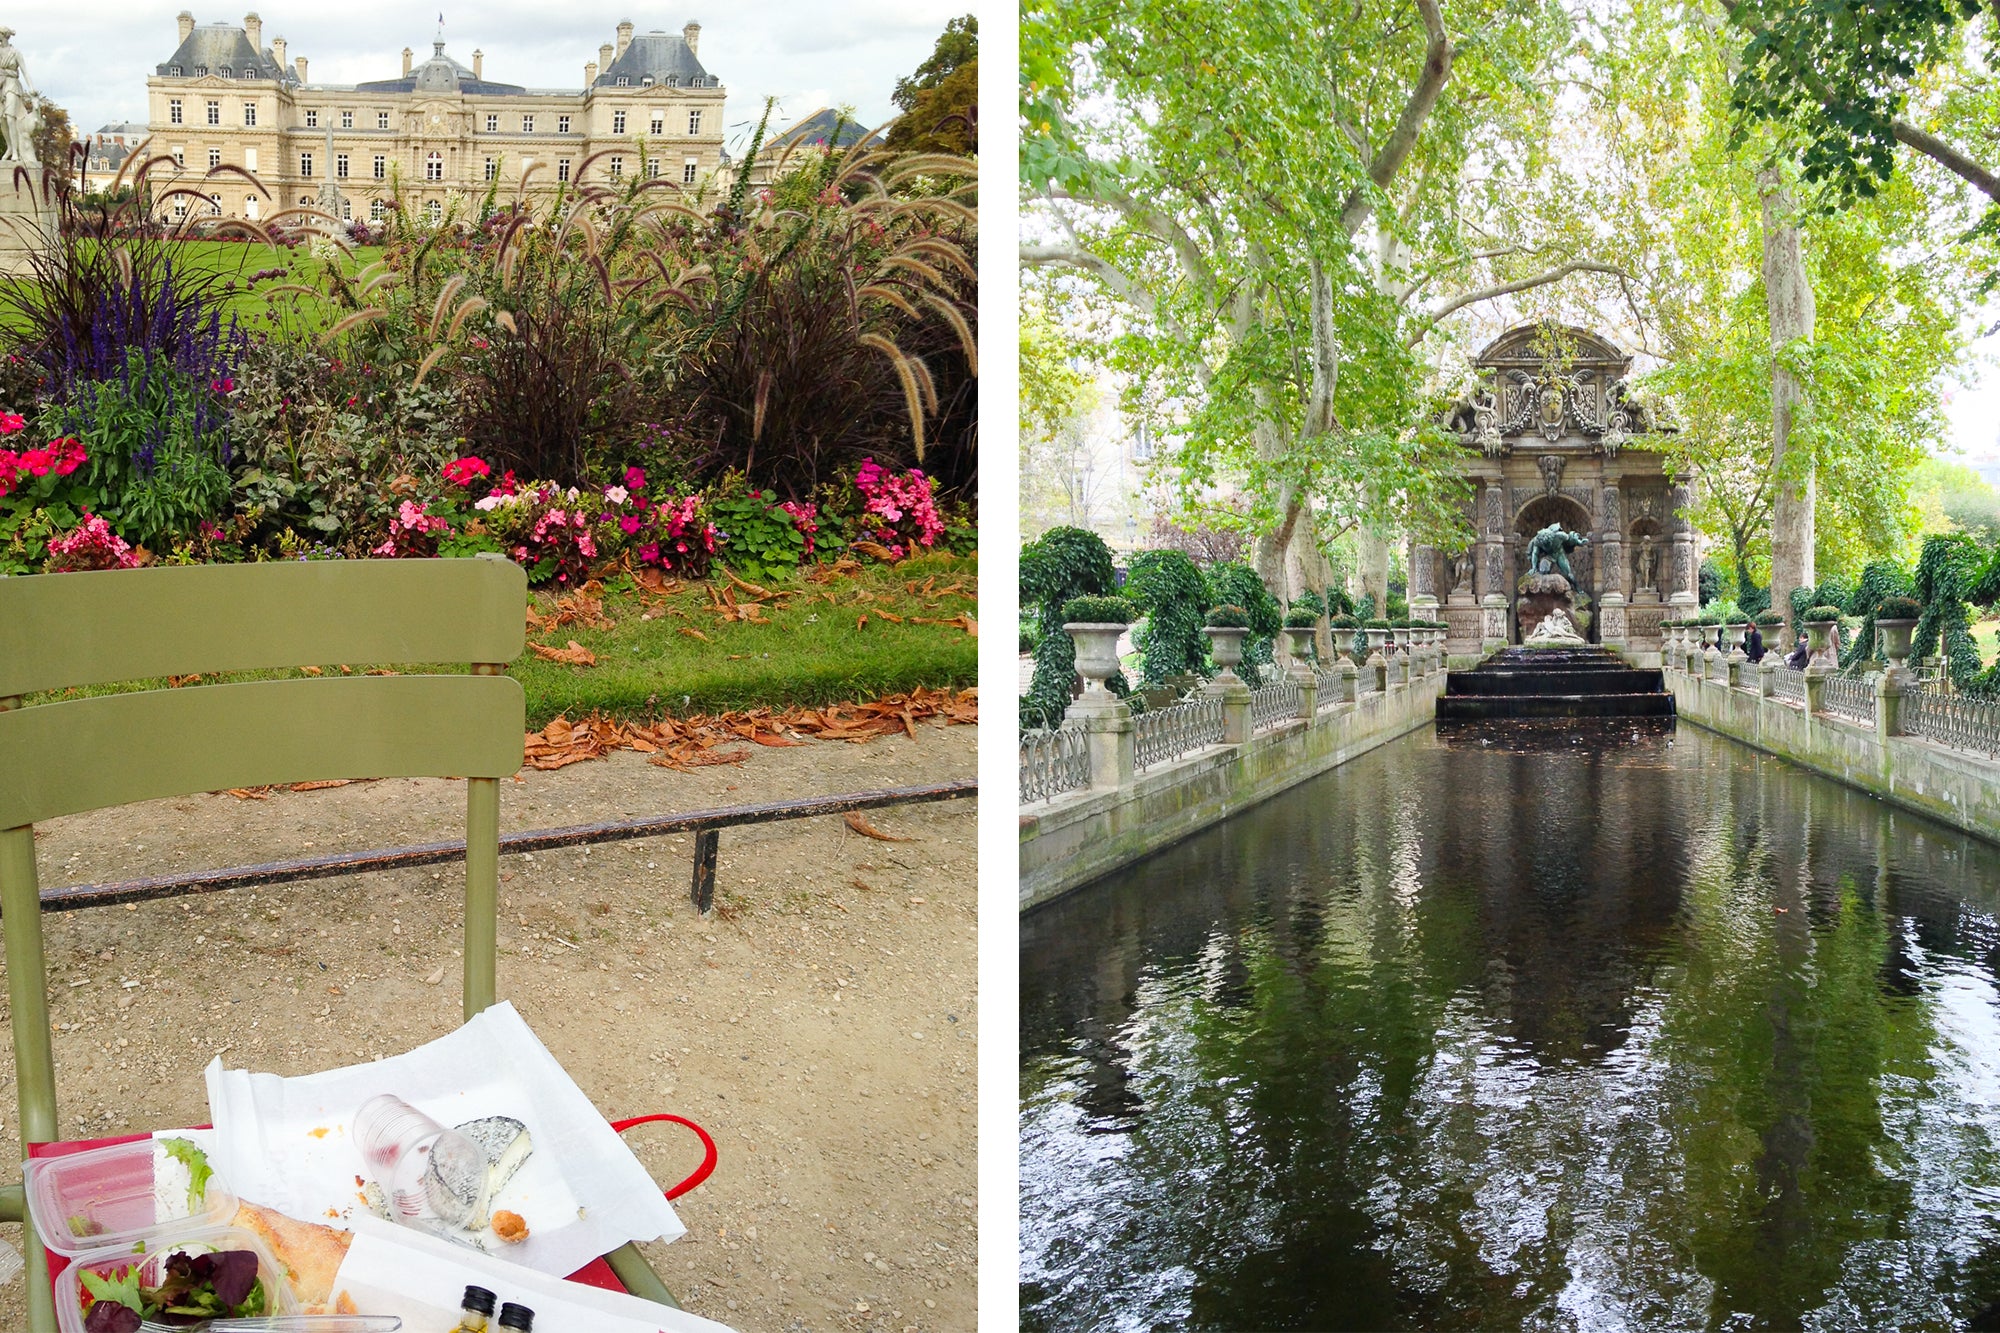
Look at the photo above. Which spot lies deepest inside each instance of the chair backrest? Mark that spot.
(63, 630)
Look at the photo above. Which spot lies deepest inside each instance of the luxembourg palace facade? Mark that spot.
(438, 133)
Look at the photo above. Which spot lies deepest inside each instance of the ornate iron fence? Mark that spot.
(1954, 720)
(1053, 762)
(1273, 703)
(1851, 697)
(1789, 683)
(1329, 686)
(1175, 731)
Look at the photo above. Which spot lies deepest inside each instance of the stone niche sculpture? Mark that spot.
(1549, 586)
(27, 217)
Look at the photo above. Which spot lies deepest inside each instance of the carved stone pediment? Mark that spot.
(1541, 386)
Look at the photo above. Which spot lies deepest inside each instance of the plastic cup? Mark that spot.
(426, 1170)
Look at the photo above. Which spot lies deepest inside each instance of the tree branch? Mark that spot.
(1555, 274)
(1389, 157)
(1949, 158)
(1075, 256)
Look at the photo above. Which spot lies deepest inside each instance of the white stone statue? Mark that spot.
(18, 118)
(1554, 630)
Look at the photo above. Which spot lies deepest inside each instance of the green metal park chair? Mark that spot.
(69, 630)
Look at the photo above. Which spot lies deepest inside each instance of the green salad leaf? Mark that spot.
(195, 1160)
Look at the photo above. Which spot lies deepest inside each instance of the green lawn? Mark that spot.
(235, 261)
(808, 648)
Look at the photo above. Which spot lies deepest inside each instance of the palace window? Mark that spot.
(646, 82)
(340, 165)
(226, 73)
(434, 167)
(250, 159)
(493, 122)
(617, 167)
(618, 122)
(562, 124)
(527, 124)
(381, 167)
(250, 206)
(624, 82)
(347, 120)
(347, 209)
(435, 210)
(180, 157)
(562, 168)
(249, 113)
(180, 210)
(687, 173)
(215, 113)
(381, 120)
(173, 111)
(312, 120)
(659, 124)
(200, 70)
(492, 168)
(175, 71)
(305, 164)
(214, 158)
(694, 122)
(375, 210)
(305, 201)
(653, 169)
(215, 204)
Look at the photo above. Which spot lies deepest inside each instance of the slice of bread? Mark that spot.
(310, 1254)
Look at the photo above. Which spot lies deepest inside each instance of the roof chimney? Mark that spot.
(624, 36)
(253, 28)
(278, 53)
(692, 35)
(478, 64)
(301, 63)
(406, 62)
(185, 23)
(589, 72)
(604, 57)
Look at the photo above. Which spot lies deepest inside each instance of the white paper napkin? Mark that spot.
(284, 1142)
(394, 1270)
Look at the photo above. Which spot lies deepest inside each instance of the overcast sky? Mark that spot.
(93, 56)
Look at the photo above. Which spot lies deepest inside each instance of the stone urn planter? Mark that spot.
(1894, 636)
(1733, 635)
(1096, 655)
(1225, 645)
(1819, 644)
(1299, 642)
(1376, 639)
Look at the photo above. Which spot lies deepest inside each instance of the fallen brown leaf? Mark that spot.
(692, 632)
(574, 655)
(868, 830)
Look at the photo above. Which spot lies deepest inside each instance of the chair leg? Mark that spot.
(34, 1057)
(482, 891)
(638, 1275)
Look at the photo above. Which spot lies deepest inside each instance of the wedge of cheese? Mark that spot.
(506, 1144)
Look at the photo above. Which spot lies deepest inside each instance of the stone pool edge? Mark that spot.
(1082, 836)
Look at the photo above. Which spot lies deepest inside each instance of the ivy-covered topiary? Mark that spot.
(1099, 611)
(1238, 584)
(1058, 567)
(1172, 593)
(1898, 608)
(1300, 617)
(1880, 580)
(1308, 601)
(1948, 571)
(1822, 613)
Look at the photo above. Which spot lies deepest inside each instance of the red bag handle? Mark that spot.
(709, 1154)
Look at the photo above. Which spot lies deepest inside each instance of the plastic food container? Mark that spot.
(151, 1254)
(107, 1198)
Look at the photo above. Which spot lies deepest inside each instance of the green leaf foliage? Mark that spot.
(1947, 569)
(1061, 565)
(1238, 584)
(1099, 611)
(1171, 590)
(1882, 582)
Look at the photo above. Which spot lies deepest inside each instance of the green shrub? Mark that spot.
(1239, 585)
(1228, 616)
(1822, 612)
(1769, 619)
(157, 449)
(1377, 623)
(1172, 592)
(1898, 608)
(1342, 622)
(1300, 617)
(1310, 602)
(761, 541)
(1099, 611)
(1058, 567)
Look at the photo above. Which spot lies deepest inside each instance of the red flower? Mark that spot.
(226, 385)
(11, 422)
(635, 479)
(462, 472)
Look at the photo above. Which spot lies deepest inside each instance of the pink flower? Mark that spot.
(11, 422)
(227, 385)
(629, 524)
(635, 479)
(650, 553)
(463, 471)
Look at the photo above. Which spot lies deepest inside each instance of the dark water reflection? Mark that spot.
(1651, 1033)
